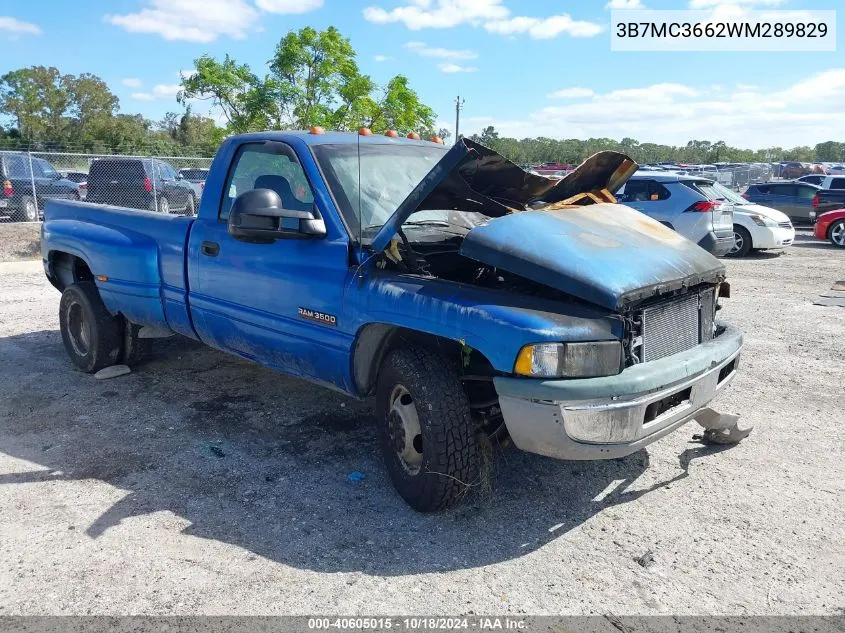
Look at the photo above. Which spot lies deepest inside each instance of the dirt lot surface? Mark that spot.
(20, 241)
(203, 484)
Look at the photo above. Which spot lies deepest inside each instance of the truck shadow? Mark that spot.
(276, 466)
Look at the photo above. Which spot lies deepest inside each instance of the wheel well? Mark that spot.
(66, 269)
(375, 340)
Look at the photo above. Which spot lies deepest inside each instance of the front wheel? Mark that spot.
(742, 242)
(836, 233)
(427, 432)
(191, 206)
(92, 336)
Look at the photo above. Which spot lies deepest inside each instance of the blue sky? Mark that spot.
(529, 67)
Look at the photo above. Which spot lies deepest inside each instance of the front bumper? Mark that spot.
(766, 237)
(614, 416)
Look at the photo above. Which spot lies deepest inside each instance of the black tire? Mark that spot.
(28, 211)
(191, 206)
(91, 335)
(836, 233)
(742, 242)
(449, 458)
(134, 350)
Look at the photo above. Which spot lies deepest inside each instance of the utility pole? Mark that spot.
(459, 104)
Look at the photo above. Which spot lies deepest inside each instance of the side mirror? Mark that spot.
(257, 215)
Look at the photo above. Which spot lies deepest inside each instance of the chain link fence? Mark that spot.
(164, 184)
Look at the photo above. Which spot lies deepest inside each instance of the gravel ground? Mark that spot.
(20, 240)
(201, 484)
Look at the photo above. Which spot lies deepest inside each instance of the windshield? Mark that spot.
(388, 174)
(728, 194)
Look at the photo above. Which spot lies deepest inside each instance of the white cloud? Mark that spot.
(190, 20)
(491, 14)
(450, 67)
(420, 14)
(420, 48)
(380, 58)
(288, 6)
(675, 113)
(13, 25)
(187, 73)
(159, 92)
(709, 4)
(545, 28)
(746, 87)
(625, 4)
(571, 93)
(131, 82)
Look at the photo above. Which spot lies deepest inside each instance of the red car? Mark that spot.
(831, 226)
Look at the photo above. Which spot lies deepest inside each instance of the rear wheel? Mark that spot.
(836, 233)
(742, 242)
(28, 211)
(191, 206)
(92, 336)
(427, 432)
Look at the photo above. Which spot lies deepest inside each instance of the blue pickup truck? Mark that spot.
(470, 298)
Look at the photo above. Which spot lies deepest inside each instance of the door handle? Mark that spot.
(212, 249)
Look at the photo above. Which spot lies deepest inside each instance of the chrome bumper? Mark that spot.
(616, 423)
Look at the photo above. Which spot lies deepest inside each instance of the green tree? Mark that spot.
(233, 88)
(830, 151)
(38, 99)
(310, 70)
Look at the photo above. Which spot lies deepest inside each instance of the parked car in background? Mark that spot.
(812, 179)
(755, 227)
(81, 180)
(140, 184)
(26, 183)
(792, 170)
(799, 200)
(833, 182)
(831, 226)
(686, 204)
(196, 176)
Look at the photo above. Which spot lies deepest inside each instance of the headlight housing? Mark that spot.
(761, 220)
(569, 360)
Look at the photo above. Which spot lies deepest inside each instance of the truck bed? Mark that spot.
(137, 259)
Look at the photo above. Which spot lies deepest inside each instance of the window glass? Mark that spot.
(17, 166)
(260, 166)
(838, 183)
(635, 191)
(387, 174)
(784, 190)
(806, 193)
(47, 169)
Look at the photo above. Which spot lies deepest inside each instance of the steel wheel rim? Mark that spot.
(405, 430)
(837, 234)
(29, 211)
(78, 330)
(738, 242)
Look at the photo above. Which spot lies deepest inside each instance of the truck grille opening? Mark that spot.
(677, 325)
(727, 370)
(658, 408)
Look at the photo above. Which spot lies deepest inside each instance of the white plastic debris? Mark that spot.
(112, 372)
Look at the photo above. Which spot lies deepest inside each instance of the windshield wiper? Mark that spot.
(427, 223)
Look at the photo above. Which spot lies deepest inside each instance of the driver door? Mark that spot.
(259, 300)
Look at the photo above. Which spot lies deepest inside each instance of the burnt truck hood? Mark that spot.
(607, 254)
(604, 253)
(472, 177)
